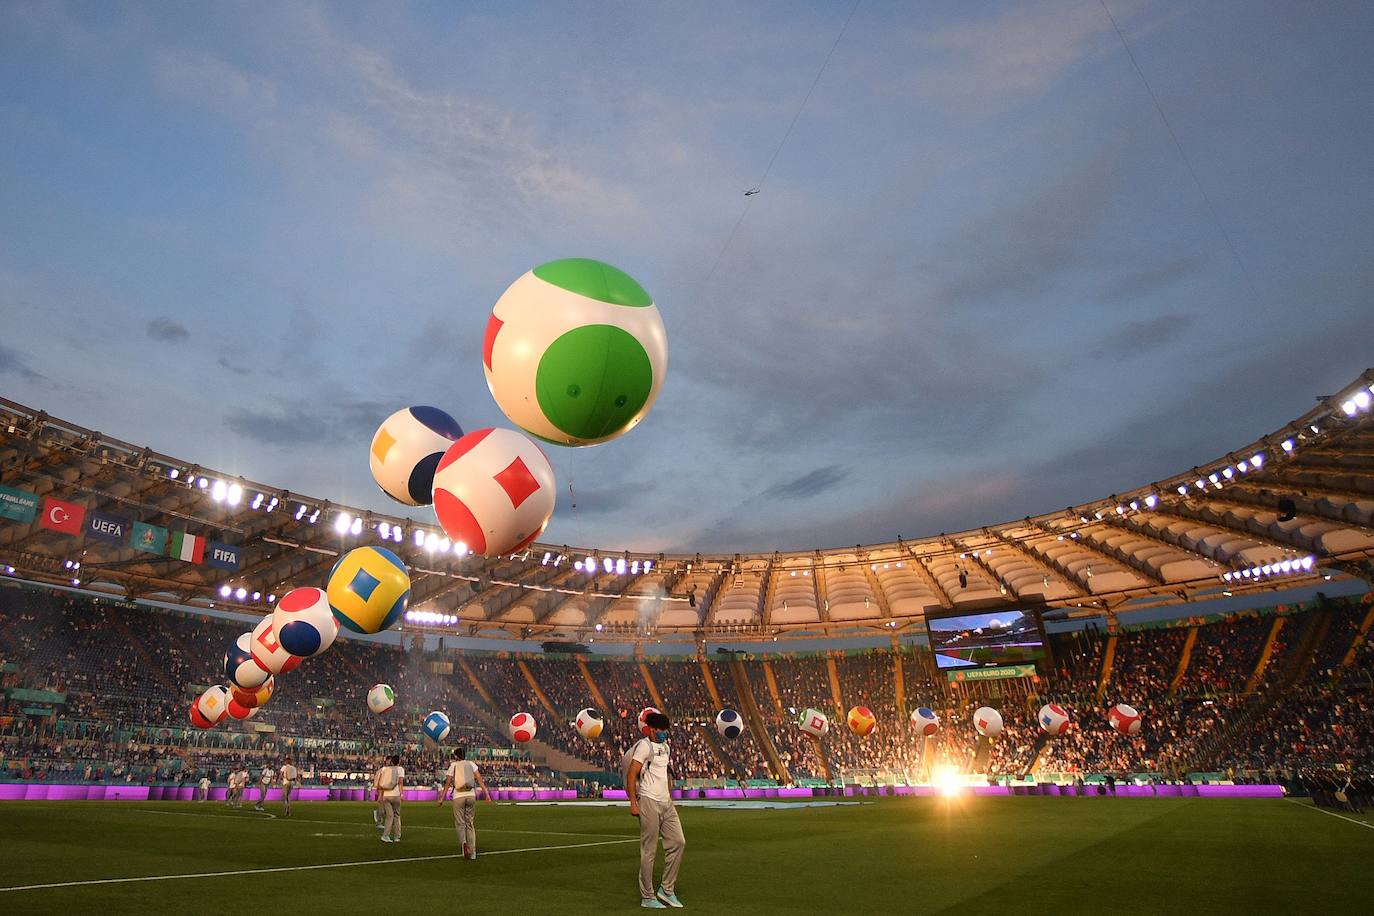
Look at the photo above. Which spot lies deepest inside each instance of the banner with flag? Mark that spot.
(149, 538)
(112, 528)
(60, 515)
(222, 556)
(188, 547)
(18, 505)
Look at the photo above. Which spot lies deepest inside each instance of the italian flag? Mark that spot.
(186, 547)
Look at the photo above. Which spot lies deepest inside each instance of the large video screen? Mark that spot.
(1006, 637)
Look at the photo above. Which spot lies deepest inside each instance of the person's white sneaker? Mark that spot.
(670, 899)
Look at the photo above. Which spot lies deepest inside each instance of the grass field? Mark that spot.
(1021, 855)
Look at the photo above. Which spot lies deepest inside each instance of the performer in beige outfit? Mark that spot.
(389, 784)
(462, 778)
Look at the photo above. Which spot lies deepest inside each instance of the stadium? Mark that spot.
(283, 618)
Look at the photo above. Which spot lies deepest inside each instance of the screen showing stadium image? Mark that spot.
(1005, 637)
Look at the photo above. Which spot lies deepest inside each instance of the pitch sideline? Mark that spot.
(286, 868)
(1332, 813)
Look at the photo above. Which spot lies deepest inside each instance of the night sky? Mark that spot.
(980, 280)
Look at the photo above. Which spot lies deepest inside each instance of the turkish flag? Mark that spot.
(63, 516)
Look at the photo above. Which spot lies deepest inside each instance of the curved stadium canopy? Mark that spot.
(1282, 511)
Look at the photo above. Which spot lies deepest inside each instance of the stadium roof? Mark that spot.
(1287, 509)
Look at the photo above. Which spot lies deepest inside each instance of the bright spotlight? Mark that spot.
(431, 542)
(173, 473)
(1288, 445)
(357, 526)
(599, 628)
(460, 549)
(1361, 400)
(300, 513)
(202, 483)
(314, 517)
(225, 591)
(342, 521)
(257, 501)
(240, 593)
(257, 596)
(219, 491)
(1256, 460)
(946, 779)
(620, 567)
(444, 544)
(608, 565)
(589, 564)
(234, 494)
(419, 538)
(1308, 561)
(384, 529)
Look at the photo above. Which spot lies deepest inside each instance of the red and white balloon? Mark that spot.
(1124, 719)
(268, 652)
(210, 707)
(494, 491)
(987, 721)
(1053, 718)
(522, 727)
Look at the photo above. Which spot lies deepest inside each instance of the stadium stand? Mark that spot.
(84, 701)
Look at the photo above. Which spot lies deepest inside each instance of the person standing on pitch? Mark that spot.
(651, 800)
(264, 782)
(231, 795)
(289, 775)
(205, 788)
(390, 785)
(379, 812)
(461, 776)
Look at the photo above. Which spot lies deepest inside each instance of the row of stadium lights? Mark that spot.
(242, 594)
(1281, 568)
(589, 565)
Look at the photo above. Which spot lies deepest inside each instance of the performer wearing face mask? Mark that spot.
(651, 800)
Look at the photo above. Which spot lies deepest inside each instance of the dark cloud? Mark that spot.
(809, 484)
(167, 331)
(13, 362)
(1137, 284)
(229, 366)
(1025, 248)
(301, 423)
(1140, 337)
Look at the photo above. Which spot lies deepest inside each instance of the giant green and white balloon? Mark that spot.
(575, 352)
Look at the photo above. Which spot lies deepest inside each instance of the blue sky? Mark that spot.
(979, 281)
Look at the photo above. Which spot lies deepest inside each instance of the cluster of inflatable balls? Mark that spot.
(1053, 719)
(366, 592)
(574, 354)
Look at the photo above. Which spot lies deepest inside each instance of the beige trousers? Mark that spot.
(659, 819)
(464, 811)
(392, 825)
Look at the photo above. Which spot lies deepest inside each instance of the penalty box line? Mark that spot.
(286, 868)
(302, 820)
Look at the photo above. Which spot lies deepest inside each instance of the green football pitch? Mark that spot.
(1020, 855)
